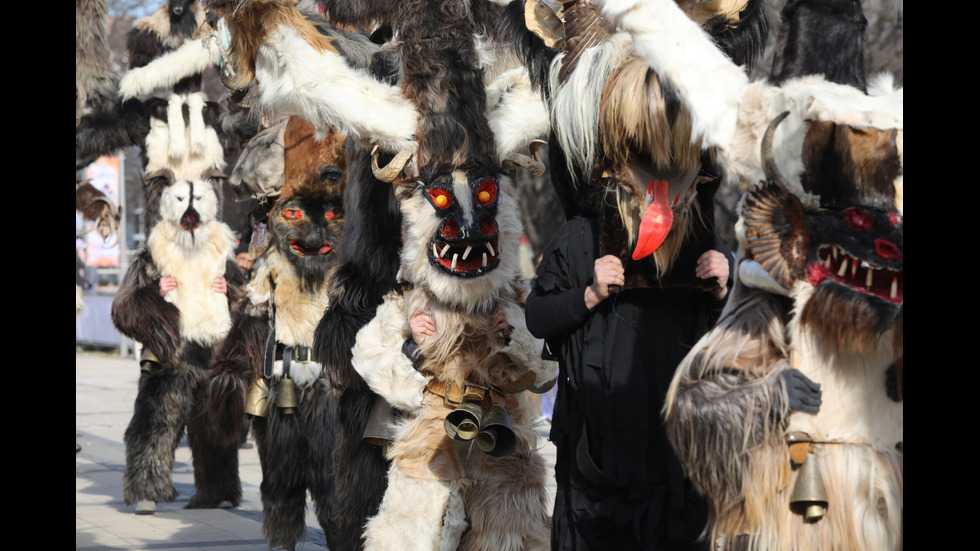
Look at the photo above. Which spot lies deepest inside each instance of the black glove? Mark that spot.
(408, 348)
(895, 383)
(804, 394)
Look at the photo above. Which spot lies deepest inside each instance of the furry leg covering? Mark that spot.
(282, 456)
(413, 513)
(216, 479)
(508, 508)
(163, 404)
(359, 473)
(299, 452)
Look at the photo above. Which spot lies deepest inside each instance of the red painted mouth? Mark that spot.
(838, 265)
(302, 250)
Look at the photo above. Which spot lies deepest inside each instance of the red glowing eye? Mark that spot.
(292, 214)
(895, 219)
(857, 219)
(487, 192)
(330, 215)
(441, 198)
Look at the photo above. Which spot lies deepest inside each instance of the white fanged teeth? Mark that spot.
(490, 248)
(484, 260)
(834, 251)
(868, 280)
(826, 261)
(455, 258)
(843, 269)
(894, 287)
(466, 253)
(854, 269)
(443, 253)
(435, 251)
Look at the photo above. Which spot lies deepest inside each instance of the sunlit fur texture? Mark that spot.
(163, 31)
(95, 79)
(183, 330)
(299, 72)
(440, 477)
(685, 56)
(180, 140)
(192, 57)
(194, 259)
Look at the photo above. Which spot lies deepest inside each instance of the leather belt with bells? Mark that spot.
(455, 393)
(289, 354)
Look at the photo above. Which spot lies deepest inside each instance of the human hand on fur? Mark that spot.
(167, 284)
(804, 394)
(500, 326)
(421, 325)
(607, 271)
(713, 264)
(220, 285)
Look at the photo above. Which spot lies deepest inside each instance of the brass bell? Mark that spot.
(149, 362)
(809, 495)
(463, 423)
(286, 398)
(257, 401)
(496, 436)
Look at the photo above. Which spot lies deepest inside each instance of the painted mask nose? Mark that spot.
(191, 220)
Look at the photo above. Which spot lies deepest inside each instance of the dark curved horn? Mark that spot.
(769, 167)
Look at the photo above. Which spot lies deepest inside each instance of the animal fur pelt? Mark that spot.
(825, 38)
(165, 30)
(179, 330)
(817, 300)
(617, 126)
(458, 81)
(182, 130)
(448, 489)
(305, 67)
(95, 80)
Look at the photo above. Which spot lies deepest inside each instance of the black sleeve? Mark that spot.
(556, 304)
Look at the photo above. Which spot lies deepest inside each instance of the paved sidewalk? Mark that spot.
(105, 388)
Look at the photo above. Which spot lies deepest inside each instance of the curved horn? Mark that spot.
(516, 159)
(393, 168)
(769, 167)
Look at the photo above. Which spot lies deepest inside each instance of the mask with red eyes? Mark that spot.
(306, 229)
(465, 243)
(461, 235)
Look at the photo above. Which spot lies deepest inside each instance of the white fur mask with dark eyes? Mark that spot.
(189, 204)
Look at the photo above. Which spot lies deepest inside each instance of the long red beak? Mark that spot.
(656, 221)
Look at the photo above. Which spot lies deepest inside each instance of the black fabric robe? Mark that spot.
(616, 364)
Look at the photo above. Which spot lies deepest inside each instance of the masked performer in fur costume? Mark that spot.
(176, 299)
(267, 368)
(389, 117)
(632, 280)
(788, 415)
(166, 301)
